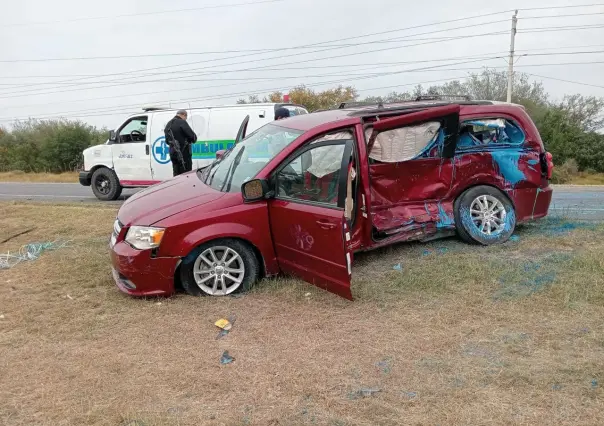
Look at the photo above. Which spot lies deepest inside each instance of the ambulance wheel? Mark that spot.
(105, 185)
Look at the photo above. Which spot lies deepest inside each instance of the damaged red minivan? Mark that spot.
(302, 195)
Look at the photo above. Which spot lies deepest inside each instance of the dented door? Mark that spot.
(309, 230)
(408, 197)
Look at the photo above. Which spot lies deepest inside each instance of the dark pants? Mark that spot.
(177, 167)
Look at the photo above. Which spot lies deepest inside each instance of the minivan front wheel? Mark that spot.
(484, 215)
(219, 268)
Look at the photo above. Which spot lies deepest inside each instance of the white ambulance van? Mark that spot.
(136, 154)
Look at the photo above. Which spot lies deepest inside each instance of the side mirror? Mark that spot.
(254, 190)
(112, 136)
(220, 153)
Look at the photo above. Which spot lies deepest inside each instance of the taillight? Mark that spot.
(547, 164)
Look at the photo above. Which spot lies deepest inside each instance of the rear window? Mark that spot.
(488, 132)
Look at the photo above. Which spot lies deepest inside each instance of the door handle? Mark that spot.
(147, 149)
(326, 225)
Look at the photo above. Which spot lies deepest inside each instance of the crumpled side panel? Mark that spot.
(398, 192)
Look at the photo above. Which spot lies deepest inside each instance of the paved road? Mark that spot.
(580, 202)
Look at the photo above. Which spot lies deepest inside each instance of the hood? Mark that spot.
(166, 199)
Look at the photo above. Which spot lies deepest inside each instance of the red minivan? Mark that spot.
(302, 195)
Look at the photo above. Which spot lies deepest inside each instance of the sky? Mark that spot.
(101, 61)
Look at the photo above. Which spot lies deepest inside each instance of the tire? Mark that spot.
(212, 285)
(469, 210)
(105, 184)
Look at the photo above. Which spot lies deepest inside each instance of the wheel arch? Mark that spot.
(474, 185)
(257, 252)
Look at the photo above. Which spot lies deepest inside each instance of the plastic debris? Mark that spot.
(398, 267)
(226, 358)
(224, 324)
(384, 365)
(1, 316)
(514, 238)
(594, 383)
(307, 295)
(29, 252)
(410, 395)
(221, 334)
(556, 387)
(69, 297)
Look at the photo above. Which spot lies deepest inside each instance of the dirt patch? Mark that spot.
(426, 343)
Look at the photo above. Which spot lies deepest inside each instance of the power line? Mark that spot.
(560, 16)
(124, 111)
(566, 81)
(439, 39)
(377, 64)
(281, 68)
(20, 93)
(562, 7)
(290, 55)
(138, 15)
(183, 79)
(363, 77)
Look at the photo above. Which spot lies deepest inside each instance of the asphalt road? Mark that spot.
(578, 202)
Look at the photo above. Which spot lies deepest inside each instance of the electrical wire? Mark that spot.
(363, 77)
(32, 91)
(138, 15)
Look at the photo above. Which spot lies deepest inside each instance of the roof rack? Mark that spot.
(441, 97)
(356, 104)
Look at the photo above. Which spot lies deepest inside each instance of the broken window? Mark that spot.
(405, 143)
(488, 131)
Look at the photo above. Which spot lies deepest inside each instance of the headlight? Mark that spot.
(144, 237)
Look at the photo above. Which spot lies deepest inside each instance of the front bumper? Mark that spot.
(138, 274)
(85, 178)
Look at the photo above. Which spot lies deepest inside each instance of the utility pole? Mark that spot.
(511, 59)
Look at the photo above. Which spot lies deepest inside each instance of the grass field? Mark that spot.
(510, 334)
(69, 177)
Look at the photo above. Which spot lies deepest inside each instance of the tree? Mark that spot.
(312, 100)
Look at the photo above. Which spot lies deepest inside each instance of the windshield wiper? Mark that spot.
(234, 164)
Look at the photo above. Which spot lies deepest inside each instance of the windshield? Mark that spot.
(248, 157)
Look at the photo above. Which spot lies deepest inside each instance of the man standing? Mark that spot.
(180, 137)
(281, 113)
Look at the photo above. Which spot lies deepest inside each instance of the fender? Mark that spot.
(254, 237)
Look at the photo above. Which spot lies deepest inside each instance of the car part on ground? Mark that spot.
(105, 184)
(219, 268)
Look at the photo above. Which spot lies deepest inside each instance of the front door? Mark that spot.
(411, 171)
(308, 226)
(131, 153)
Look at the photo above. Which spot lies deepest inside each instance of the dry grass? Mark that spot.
(17, 176)
(462, 335)
(583, 178)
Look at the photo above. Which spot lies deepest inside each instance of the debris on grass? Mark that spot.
(363, 393)
(29, 252)
(384, 365)
(224, 324)
(221, 334)
(515, 238)
(594, 383)
(409, 395)
(398, 267)
(226, 358)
